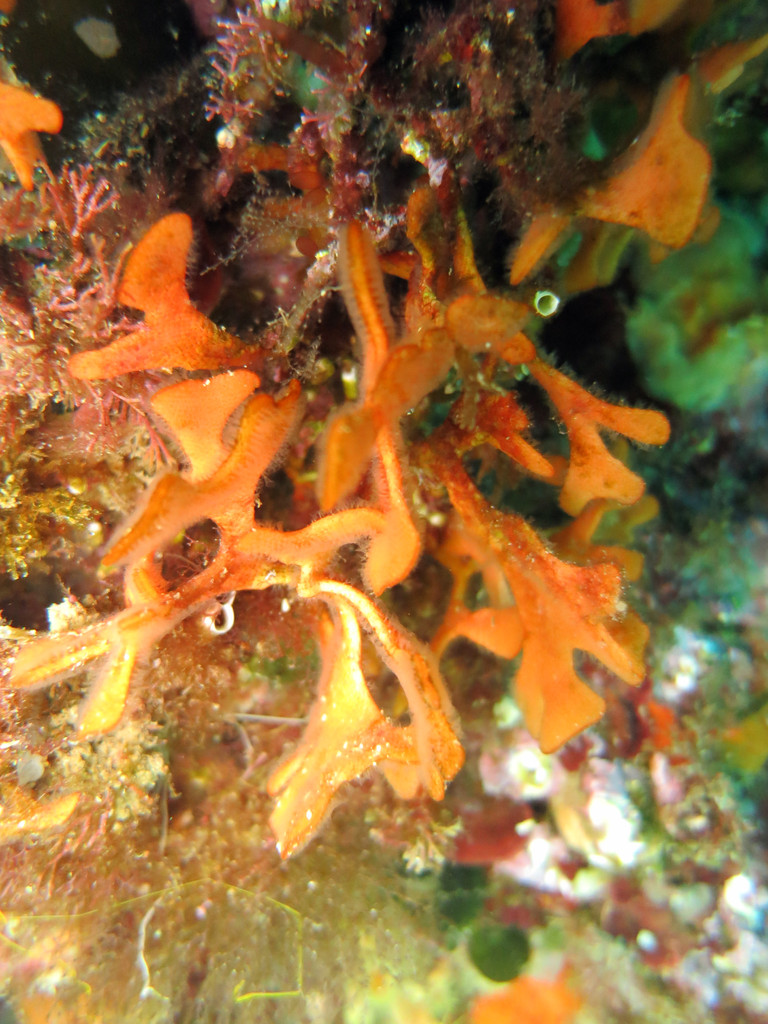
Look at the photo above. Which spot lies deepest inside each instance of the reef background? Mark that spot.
(632, 862)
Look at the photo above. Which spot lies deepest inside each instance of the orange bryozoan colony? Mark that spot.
(546, 599)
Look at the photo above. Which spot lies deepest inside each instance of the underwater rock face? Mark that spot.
(353, 666)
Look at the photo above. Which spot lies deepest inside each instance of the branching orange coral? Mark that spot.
(662, 182)
(393, 379)
(348, 733)
(197, 411)
(226, 496)
(22, 115)
(592, 471)
(581, 603)
(659, 186)
(496, 627)
(174, 334)
(578, 21)
(560, 607)
(219, 483)
(20, 814)
(722, 66)
(229, 433)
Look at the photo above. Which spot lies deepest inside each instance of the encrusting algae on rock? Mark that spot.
(298, 453)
